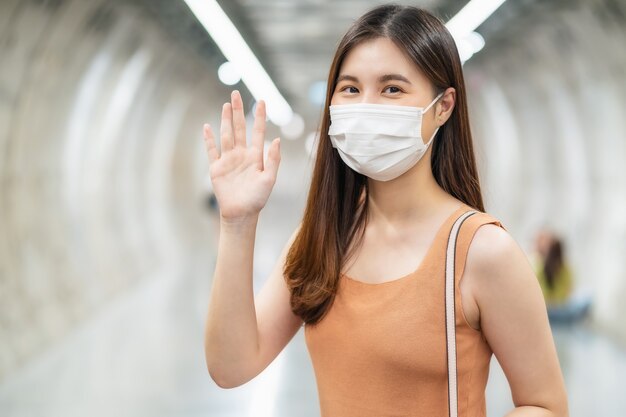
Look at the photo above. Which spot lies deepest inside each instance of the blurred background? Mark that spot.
(108, 227)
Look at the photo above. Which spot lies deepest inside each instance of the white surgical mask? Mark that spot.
(381, 141)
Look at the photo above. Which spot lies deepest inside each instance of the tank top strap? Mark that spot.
(466, 234)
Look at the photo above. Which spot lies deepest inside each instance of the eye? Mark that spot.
(397, 89)
(349, 86)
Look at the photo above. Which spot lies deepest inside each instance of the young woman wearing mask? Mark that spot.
(364, 271)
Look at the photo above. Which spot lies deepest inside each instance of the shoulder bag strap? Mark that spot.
(450, 317)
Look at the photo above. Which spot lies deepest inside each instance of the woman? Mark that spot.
(364, 270)
(553, 272)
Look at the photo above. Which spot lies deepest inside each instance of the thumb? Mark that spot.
(273, 158)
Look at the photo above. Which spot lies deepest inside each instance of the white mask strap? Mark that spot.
(432, 137)
(433, 102)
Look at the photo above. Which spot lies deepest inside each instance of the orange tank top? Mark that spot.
(380, 350)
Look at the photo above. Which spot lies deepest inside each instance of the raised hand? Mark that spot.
(242, 181)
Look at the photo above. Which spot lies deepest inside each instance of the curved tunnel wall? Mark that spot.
(101, 161)
(549, 104)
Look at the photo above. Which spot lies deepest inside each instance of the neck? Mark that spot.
(413, 195)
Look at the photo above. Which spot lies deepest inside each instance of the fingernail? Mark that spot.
(235, 92)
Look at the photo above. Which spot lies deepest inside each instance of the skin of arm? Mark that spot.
(514, 321)
(244, 333)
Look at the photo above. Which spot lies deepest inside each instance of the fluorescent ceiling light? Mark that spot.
(472, 15)
(228, 74)
(237, 51)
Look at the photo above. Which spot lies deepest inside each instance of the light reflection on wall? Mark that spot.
(102, 164)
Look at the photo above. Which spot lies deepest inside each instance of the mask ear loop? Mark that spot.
(425, 110)
(432, 137)
(433, 102)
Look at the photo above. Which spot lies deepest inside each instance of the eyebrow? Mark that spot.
(381, 79)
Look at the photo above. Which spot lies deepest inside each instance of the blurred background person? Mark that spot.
(552, 270)
(565, 302)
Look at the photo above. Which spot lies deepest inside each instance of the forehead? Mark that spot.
(372, 58)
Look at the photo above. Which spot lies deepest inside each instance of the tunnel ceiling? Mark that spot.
(295, 40)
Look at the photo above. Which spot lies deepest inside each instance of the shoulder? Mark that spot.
(491, 244)
(496, 262)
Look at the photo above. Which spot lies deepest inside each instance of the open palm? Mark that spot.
(242, 181)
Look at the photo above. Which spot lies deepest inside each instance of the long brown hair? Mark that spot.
(336, 208)
(553, 262)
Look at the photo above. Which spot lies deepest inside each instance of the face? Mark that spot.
(377, 71)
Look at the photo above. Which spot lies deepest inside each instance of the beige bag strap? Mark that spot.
(450, 316)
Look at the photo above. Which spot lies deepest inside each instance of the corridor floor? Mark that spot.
(143, 356)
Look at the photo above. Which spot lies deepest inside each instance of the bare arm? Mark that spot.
(243, 334)
(241, 337)
(515, 323)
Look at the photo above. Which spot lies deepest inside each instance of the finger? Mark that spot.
(239, 119)
(258, 131)
(226, 129)
(273, 159)
(209, 141)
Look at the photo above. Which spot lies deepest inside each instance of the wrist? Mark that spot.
(239, 224)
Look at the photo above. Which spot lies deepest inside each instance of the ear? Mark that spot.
(445, 106)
